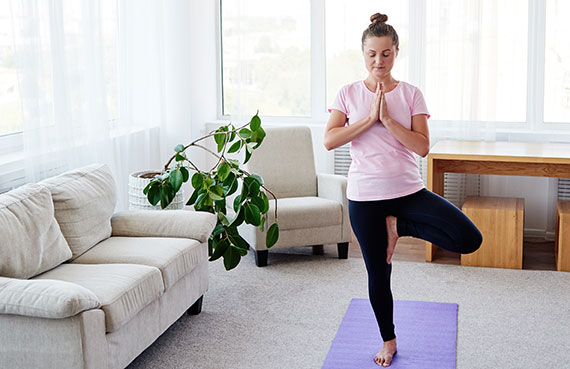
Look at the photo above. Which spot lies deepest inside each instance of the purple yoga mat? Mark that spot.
(426, 333)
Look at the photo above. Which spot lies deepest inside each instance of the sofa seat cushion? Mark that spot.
(122, 289)
(305, 212)
(31, 241)
(84, 200)
(175, 257)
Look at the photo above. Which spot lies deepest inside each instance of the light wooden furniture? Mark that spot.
(500, 158)
(562, 248)
(501, 222)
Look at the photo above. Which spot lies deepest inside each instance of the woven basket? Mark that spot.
(139, 201)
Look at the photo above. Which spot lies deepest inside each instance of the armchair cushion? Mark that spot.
(84, 201)
(305, 212)
(44, 298)
(286, 162)
(196, 225)
(32, 241)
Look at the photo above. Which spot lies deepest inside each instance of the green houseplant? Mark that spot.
(214, 187)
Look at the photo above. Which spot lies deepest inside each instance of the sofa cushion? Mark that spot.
(84, 201)
(122, 289)
(175, 257)
(31, 241)
(305, 212)
(44, 298)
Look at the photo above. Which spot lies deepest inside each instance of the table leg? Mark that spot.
(435, 183)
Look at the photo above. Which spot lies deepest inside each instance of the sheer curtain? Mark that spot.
(96, 86)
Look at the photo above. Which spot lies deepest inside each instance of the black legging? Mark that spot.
(422, 215)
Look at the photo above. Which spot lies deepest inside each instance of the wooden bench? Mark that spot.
(501, 222)
(562, 245)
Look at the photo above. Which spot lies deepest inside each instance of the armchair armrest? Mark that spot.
(44, 298)
(196, 225)
(332, 187)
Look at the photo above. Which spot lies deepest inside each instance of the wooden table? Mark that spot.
(499, 158)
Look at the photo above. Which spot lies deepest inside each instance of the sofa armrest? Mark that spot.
(44, 298)
(196, 225)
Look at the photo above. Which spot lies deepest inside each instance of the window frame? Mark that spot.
(536, 42)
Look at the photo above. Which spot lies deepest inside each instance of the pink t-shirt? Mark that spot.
(382, 168)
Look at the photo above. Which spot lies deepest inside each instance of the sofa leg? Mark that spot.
(197, 307)
(261, 258)
(342, 250)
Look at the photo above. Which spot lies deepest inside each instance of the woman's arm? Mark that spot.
(337, 133)
(416, 139)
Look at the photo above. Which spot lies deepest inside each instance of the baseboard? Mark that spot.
(539, 233)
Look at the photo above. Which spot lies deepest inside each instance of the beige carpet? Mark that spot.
(286, 314)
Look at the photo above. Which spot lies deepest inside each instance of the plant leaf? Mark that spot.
(224, 170)
(216, 192)
(154, 194)
(164, 197)
(265, 208)
(237, 203)
(258, 178)
(258, 201)
(232, 257)
(179, 148)
(222, 218)
(220, 248)
(252, 186)
(255, 123)
(218, 230)
(180, 157)
(176, 179)
(262, 225)
(245, 133)
(272, 235)
(193, 198)
(252, 214)
(148, 186)
(185, 174)
(235, 147)
(197, 180)
(247, 155)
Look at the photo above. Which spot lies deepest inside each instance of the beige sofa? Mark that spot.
(81, 287)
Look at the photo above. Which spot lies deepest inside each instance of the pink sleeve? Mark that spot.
(419, 104)
(339, 102)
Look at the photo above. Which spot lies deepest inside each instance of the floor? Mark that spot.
(537, 253)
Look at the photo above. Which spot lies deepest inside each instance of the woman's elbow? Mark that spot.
(424, 151)
(328, 144)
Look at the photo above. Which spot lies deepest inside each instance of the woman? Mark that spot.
(386, 122)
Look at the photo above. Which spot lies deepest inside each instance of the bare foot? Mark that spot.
(385, 356)
(392, 236)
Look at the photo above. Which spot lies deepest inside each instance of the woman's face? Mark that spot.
(379, 55)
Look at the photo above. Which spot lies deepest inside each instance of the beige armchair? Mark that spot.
(312, 208)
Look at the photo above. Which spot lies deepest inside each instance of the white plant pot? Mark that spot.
(139, 201)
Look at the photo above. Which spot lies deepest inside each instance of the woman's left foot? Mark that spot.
(392, 230)
(384, 357)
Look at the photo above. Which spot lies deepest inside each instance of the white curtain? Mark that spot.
(96, 85)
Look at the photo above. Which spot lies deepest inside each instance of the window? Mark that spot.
(476, 59)
(10, 111)
(345, 22)
(266, 57)
(557, 62)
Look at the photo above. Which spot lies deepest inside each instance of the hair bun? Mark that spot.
(379, 18)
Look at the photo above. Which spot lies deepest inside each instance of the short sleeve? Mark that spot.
(419, 104)
(339, 102)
